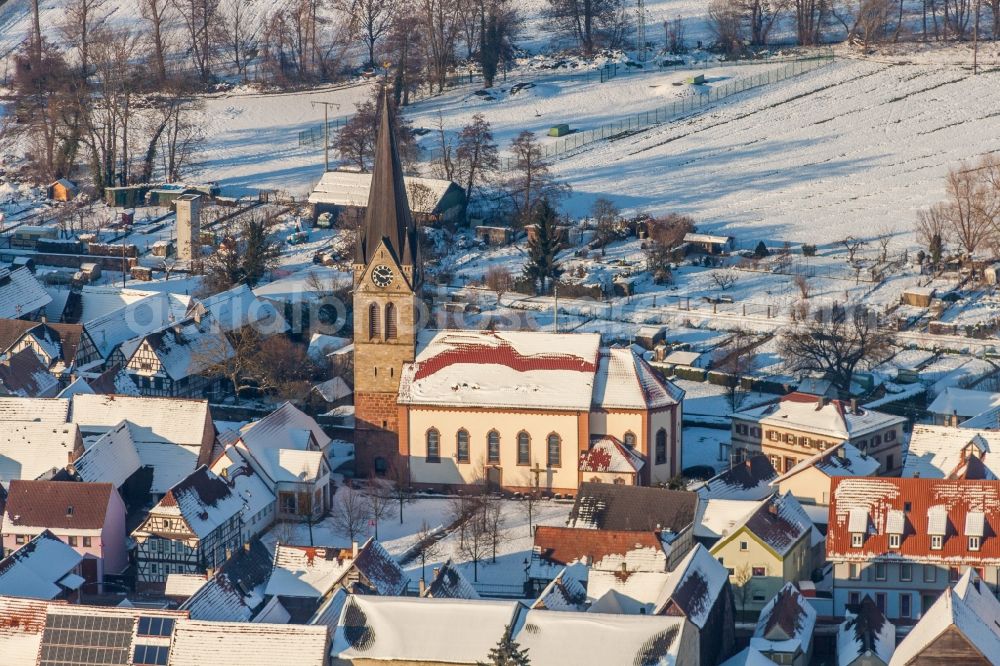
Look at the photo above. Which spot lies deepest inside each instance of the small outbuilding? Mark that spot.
(562, 129)
(345, 193)
(494, 235)
(62, 190)
(709, 244)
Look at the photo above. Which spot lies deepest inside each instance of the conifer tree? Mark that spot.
(507, 653)
(544, 243)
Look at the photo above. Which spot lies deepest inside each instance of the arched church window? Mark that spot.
(523, 448)
(374, 321)
(433, 445)
(630, 440)
(462, 445)
(390, 321)
(661, 446)
(493, 447)
(554, 450)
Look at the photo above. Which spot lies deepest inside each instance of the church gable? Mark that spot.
(383, 274)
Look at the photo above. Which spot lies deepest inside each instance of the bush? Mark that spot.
(809, 250)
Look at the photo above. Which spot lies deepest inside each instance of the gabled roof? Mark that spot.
(422, 630)
(625, 592)
(113, 381)
(563, 593)
(112, 458)
(599, 549)
(133, 320)
(171, 463)
(234, 466)
(204, 500)
(58, 504)
(785, 624)
(865, 631)
(183, 349)
(607, 506)
(40, 569)
(24, 374)
(48, 410)
(748, 657)
(238, 307)
(625, 381)
(942, 452)
(830, 418)
(382, 573)
(718, 518)
(593, 638)
(608, 455)
(307, 571)
(21, 294)
(502, 369)
(287, 427)
(236, 591)
(174, 420)
(22, 622)
(969, 608)
(746, 480)
(33, 450)
(449, 583)
(841, 459)
(929, 505)
(779, 522)
(693, 587)
(351, 188)
(964, 402)
(197, 642)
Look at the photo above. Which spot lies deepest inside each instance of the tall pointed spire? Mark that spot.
(388, 214)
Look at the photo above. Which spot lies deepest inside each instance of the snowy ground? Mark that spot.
(430, 513)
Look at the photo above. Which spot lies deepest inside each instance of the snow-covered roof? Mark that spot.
(78, 385)
(306, 285)
(204, 500)
(197, 642)
(234, 466)
(693, 587)
(36, 568)
(287, 427)
(779, 522)
(307, 571)
(785, 624)
(44, 410)
(706, 238)
(931, 506)
(351, 188)
(20, 293)
(964, 402)
(748, 657)
(321, 345)
(563, 593)
(625, 593)
(184, 584)
(238, 307)
(943, 452)
(448, 582)
(625, 381)
(593, 638)
(333, 390)
(556, 547)
(413, 629)
(329, 612)
(33, 450)
(608, 506)
(112, 458)
(184, 349)
(174, 420)
(236, 591)
(718, 518)
(749, 479)
(24, 374)
(970, 608)
(274, 612)
(832, 418)
(22, 622)
(134, 320)
(380, 572)
(865, 632)
(841, 459)
(502, 369)
(607, 454)
(170, 463)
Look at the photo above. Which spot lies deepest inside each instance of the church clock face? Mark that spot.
(382, 275)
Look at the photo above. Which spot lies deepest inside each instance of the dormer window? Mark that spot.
(895, 524)
(974, 542)
(975, 528)
(857, 540)
(894, 540)
(937, 542)
(857, 525)
(937, 525)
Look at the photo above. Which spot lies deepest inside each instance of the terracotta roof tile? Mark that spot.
(565, 545)
(58, 504)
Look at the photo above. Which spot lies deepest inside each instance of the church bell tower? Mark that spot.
(387, 281)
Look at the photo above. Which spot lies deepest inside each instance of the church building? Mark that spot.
(513, 409)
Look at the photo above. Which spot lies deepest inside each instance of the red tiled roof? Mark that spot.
(608, 454)
(878, 496)
(503, 353)
(565, 545)
(58, 504)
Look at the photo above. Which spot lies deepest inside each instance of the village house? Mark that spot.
(287, 448)
(345, 195)
(23, 374)
(43, 568)
(954, 406)
(62, 348)
(112, 319)
(89, 517)
(717, 518)
(669, 513)
(865, 637)
(197, 643)
(448, 582)
(902, 541)
(195, 528)
(800, 425)
(36, 450)
(784, 631)
(960, 627)
(946, 452)
(236, 592)
(775, 544)
(748, 479)
(19, 641)
(22, 296)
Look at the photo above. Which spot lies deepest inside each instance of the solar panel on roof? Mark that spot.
(70, 640)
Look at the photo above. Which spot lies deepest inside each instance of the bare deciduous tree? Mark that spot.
(158, 13)
(852, 246)
(199, 17)
(737, 357)
(499, 280)
(81, 20)
(802, 284)
(725, 20)
(380, 500)
(350, 513)
(725, 279)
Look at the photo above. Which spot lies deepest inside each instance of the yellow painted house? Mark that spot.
(772, 545)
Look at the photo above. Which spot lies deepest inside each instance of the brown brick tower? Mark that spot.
(387, 279)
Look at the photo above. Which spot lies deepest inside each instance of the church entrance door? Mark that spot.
(494, 478)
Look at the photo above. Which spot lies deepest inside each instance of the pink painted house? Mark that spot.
(90, 517)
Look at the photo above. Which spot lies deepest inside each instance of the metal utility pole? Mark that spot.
(326, 131)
